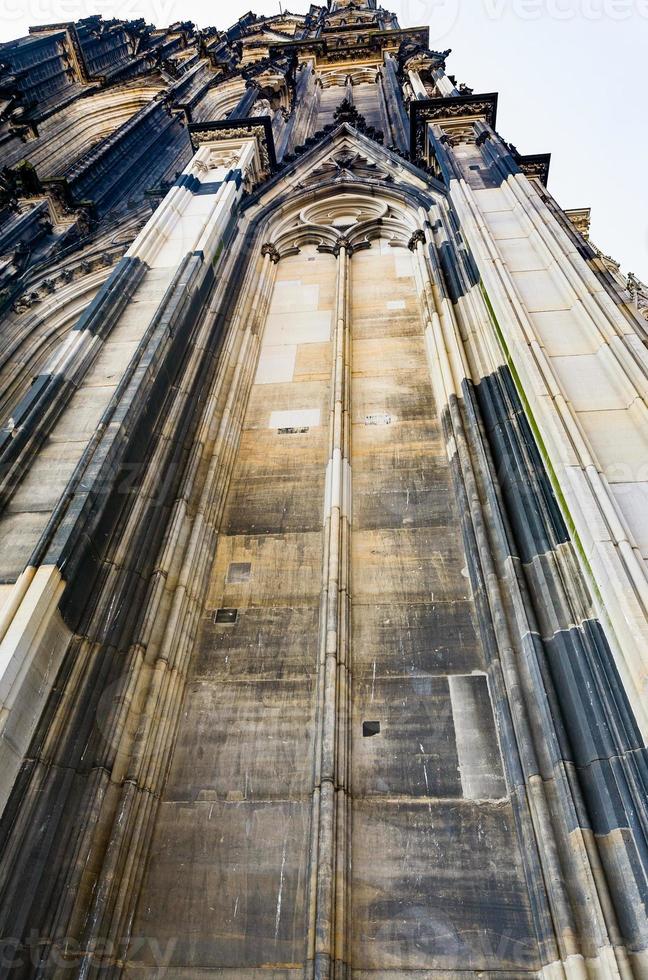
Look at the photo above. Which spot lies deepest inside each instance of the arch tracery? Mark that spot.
(358, 216)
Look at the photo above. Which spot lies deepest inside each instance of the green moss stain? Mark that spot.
(217, 254)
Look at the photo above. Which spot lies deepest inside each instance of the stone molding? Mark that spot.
(455, 114)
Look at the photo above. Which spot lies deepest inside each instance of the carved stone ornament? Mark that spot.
(455, 115)
(269, 249)
(455, 135)
(260, 127)
(221, 158)
(348, 165)
(343, 243)
(417, 238)
(639, 293)
(580, 218)
(536, 166)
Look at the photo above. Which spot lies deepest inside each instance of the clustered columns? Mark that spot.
(623, 583)
(418, 88)
(602, 929)
(414, 67)
(301, 123)
(443, 83)
(393, 103)
(328, 948)
(444, 324)
(172, 258)
(331, 804)
(246, 103)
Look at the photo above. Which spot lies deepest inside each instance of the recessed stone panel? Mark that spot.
(415, 753)
(418, 564)
(298, 328)
(405, 639)
(276, 365)
(448, 892)
(226, 886)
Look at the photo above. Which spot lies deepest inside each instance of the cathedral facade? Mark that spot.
(323, 520)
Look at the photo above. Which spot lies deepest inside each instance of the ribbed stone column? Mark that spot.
(394, 106)
(444, 84)
(243, 109)
(419, 89)
(302, 121)
(330, 828)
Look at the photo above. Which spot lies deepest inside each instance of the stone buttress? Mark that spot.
(323, 592)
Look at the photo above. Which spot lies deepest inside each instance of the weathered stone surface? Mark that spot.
(323, 489)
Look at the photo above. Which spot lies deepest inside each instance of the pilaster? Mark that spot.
(330, 854)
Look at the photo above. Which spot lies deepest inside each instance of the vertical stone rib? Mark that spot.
(390, 89)
(118, 883)
(567, 944)
(329, 832)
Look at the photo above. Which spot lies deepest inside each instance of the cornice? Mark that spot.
(449, 112)
(343, 48)
(259, 126)
(580, 218)
(535, 165)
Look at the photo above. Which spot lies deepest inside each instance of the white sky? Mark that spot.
(572, 78)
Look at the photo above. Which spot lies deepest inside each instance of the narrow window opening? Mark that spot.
(226, 616)
(370, 728)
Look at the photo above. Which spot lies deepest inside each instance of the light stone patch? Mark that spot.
(564, 332)
(403, 264)
(539, 291)
(5, 595)
(110, 364)
(276, 365)
(292, 296)
(150, 289)
(199, 205)
(19, 533)
(47, 478)
(180, 239)
(520, 255)
(588, 385)
(171, 254)
(478, 752)
(137, 316)
(396, 304)
(298, 328)
(492, 199)
(295, 418)
(30, 657)
(620, 441)
(632, 499)
(80, 418)
(384, 247)
(504, 224)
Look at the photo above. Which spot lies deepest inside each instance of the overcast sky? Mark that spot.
(572, 77)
